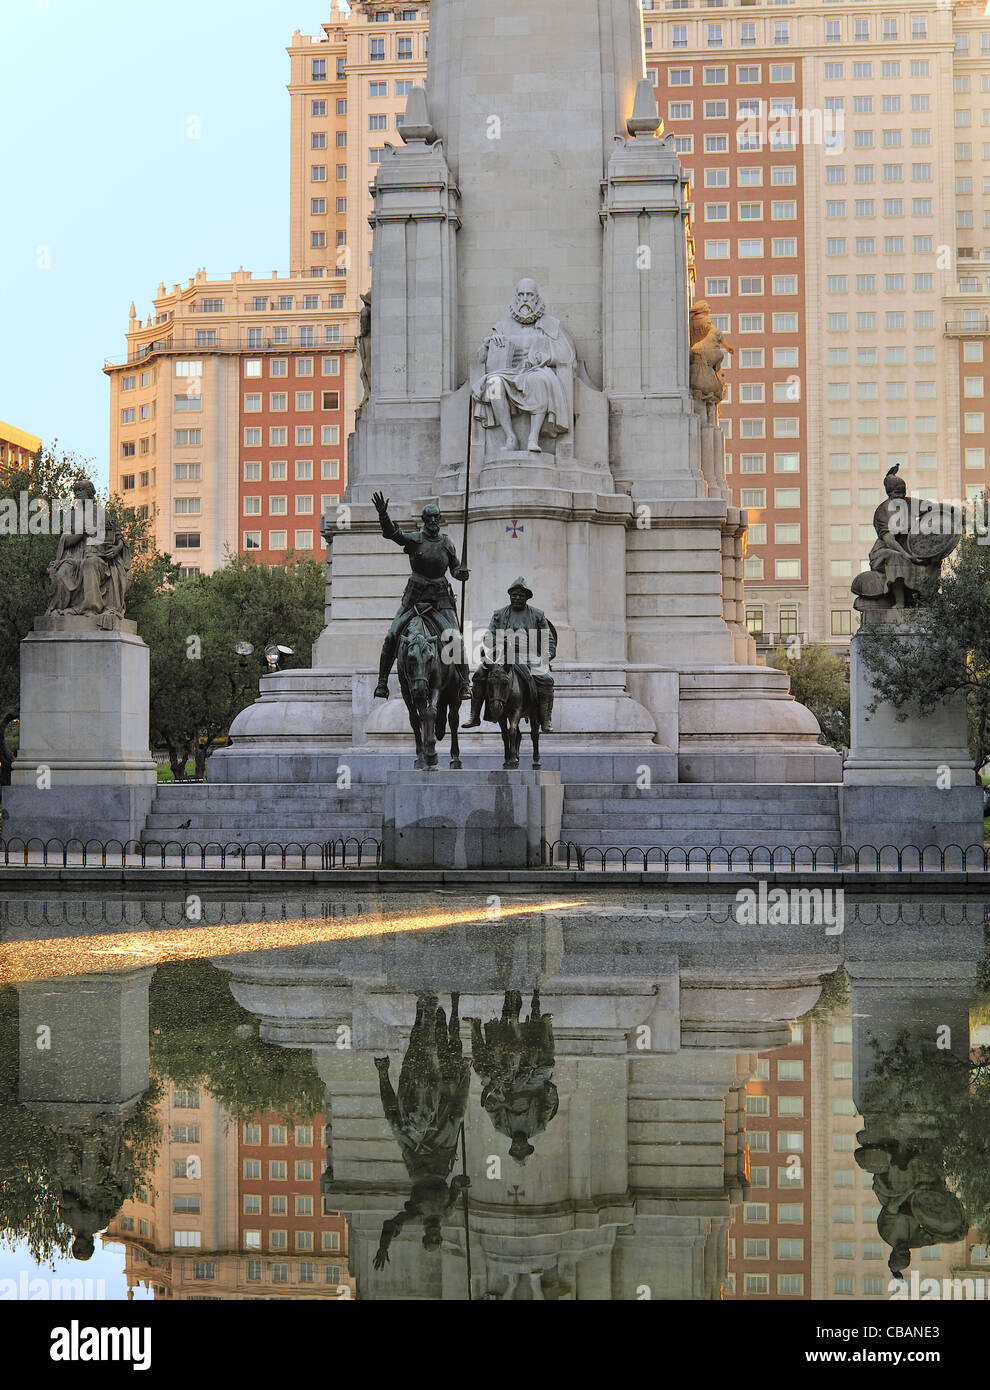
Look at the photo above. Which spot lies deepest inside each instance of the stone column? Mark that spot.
(396, 442)
(654, 432)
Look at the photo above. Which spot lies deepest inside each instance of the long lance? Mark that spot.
(467, 1226)
(467, 503)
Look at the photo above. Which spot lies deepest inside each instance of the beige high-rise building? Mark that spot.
(349, 85)
(17, 447)
(838, 211)
(228, 418)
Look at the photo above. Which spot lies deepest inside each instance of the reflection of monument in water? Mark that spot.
(82, 1072)
(639, 1150)
(912, 997)
(629, 1188)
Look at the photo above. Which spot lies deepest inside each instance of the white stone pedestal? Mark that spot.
(910, 781)
(470, 820)
(84, 769)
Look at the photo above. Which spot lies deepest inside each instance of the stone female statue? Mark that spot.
(91, 571)
(912, 541)
(708, 350)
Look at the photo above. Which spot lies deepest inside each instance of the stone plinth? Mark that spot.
(84, 768)
(470, 820)
(106, 1019)
(740, 724)
(911, 751)
(908, 781)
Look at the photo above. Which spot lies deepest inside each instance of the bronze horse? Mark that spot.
(511, 697)
(431, 690)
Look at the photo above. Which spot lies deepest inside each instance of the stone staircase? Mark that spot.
(363, 1148)
(667, 816)
(275, 813)
(702, 814)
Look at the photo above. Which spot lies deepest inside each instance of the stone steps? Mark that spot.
(696, 816)
(263, 813)
(627, 805)
(668, 816)
(270, 835)
(338, 821)
(255, 797)
(671, 820)
(363, 1145)
(704, 794)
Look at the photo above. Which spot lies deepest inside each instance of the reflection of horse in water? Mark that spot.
(515, 1060)
(426, 1117)
(511, 696)
(431, 689)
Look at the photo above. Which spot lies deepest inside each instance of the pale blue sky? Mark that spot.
(107, 1265)
(96, 165)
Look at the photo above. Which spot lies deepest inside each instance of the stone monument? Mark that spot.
(910, 780)
(84, 768)
(530, 282)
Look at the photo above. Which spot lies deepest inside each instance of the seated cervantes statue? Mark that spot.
(91, 571)
(708, 349)
(520, 376)
(913, 538)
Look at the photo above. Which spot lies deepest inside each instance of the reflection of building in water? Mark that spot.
(282, 1212)
(809, 1230)
(770, 1247)
(233, 1211)
(850, 1257)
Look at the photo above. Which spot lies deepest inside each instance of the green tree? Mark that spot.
(199, 683)
(833, 998)
(24, 561)
(200, 1036)
(820, 681)
(951, 651)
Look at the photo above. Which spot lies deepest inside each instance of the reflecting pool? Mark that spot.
(644, 1095)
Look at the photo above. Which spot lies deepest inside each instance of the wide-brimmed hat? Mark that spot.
(520, 583)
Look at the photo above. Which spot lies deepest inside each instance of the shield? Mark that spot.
(935, 534)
